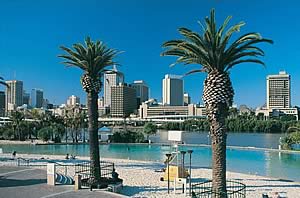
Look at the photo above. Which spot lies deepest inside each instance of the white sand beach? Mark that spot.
(22, 142)
(141, 180)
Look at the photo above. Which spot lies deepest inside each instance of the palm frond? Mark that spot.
(230, 65)
(212, 48)
(92, 57)
(195, 71)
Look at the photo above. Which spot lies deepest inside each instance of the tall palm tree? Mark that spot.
(17, 118)
(93, 58)
(215, 54)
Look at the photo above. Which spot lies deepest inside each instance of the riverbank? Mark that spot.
(142, 180)
(23, 142)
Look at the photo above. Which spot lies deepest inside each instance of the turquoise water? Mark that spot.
(260, 162)
(259, 140)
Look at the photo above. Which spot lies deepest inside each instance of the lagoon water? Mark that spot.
(258, 140)
(262, 162)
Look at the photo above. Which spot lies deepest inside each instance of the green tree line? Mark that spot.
(237, 124)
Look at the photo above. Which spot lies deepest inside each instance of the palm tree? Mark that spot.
(16, 120)
(93, 59)
(81, 121)
(212, 51)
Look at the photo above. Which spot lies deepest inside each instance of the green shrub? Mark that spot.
(150, 129)
(128, 137)
(292, 138)
(7, 133)
(45, 133)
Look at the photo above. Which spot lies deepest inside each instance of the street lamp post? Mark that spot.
(183, 169)
(190, 179)
(168, 163)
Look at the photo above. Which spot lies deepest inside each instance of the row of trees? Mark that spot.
(237, 124)
(33, 125)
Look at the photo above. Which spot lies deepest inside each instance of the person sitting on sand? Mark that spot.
(73, 156)
(67, 156)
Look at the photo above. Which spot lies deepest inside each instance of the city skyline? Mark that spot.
(44, 34)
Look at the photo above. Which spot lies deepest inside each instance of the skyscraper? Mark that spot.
(123, 100)
(73, 100)
(13, 94)
(37, 98)
(26, 98)
(172, 90)
(142, 91)
(111, 78)
(279, 91)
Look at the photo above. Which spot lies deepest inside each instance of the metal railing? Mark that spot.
(204, 190)
(84, 169)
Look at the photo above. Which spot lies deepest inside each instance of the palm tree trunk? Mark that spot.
(93, 135)
(218, 139)
(84, 135)
(66, 131)
(76, 135)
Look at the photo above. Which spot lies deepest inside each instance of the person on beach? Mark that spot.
(67, 156)
(14, 154)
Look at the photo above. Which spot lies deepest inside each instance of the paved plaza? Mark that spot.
(31, 183)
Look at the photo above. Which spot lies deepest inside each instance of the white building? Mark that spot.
(73, 101)
(13, 94)
(172, 90)
(279, 91)
(100, 102)
(278, 97)
(186, 99)
(267, 113)
(111, 78)
(150, 110)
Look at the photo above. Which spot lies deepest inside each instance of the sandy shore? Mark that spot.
(22, 142)
(141, 180)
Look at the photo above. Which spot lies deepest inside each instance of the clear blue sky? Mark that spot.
(31, 32)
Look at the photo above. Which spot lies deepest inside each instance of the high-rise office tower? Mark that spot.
(26, 98)
(173, 90)
(73, 100)
(111, 78)
(123, 100)
(37, 98)
(142, 91)
(279, 91)
(13, 94)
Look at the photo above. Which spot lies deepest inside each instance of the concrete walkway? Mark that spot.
(31, 183)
